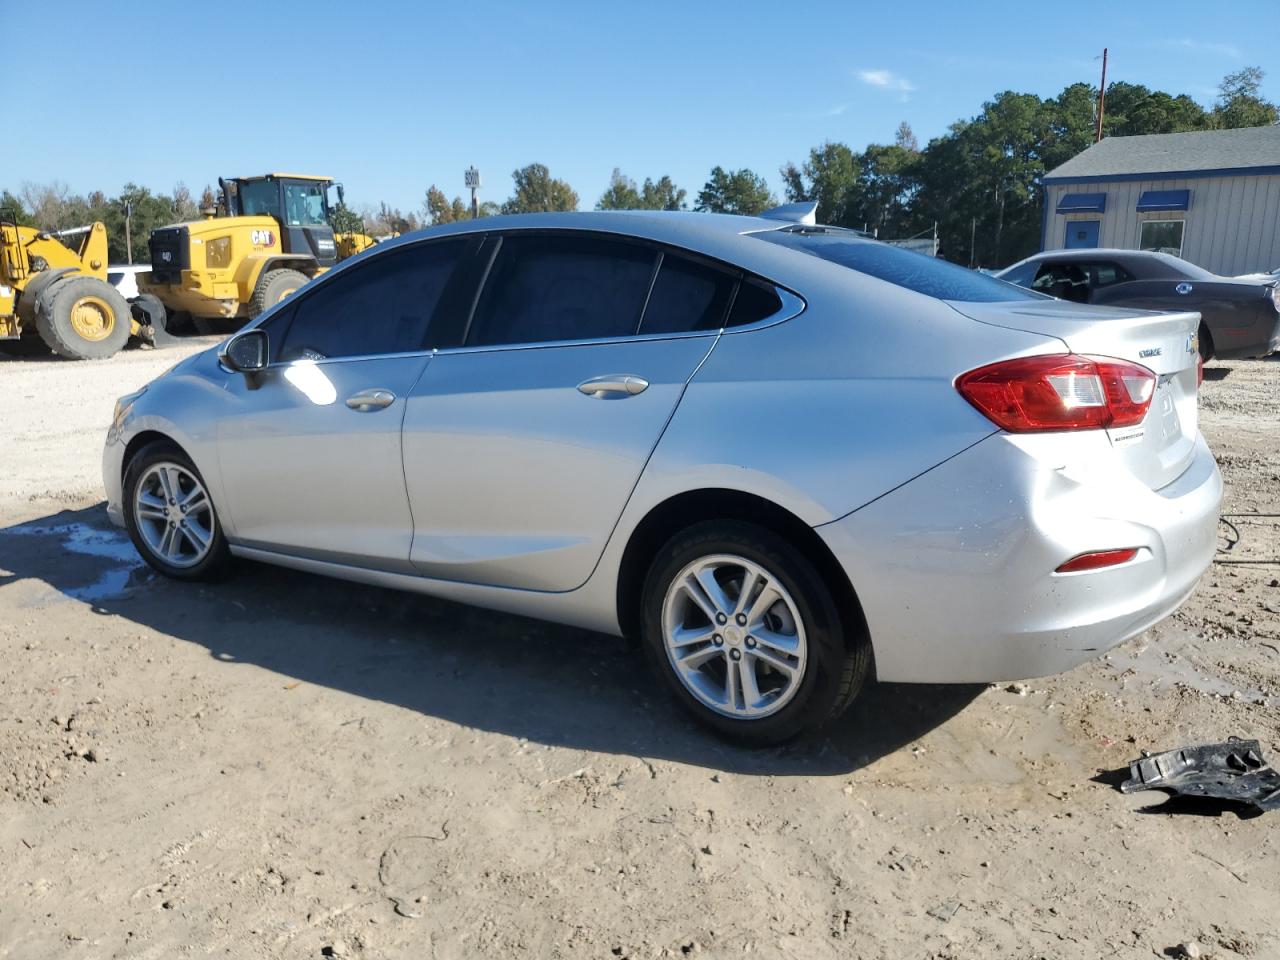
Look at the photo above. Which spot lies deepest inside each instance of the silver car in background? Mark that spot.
(783, 457)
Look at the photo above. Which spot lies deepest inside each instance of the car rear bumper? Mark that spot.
(955, 569)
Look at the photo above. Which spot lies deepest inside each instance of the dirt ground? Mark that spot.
(286, 766)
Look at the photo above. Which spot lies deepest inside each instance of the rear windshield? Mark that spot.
(915, 271)
(1185, 267)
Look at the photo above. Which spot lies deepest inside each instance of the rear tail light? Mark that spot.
(1097, 559)
(1060, 392)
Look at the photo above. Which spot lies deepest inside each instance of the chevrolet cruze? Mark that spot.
(782, 456)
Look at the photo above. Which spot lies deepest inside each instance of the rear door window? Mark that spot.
(1106, 274)
(384, 305)
(1066, 281)
(687, 296)
(545, 288)
(756, 300)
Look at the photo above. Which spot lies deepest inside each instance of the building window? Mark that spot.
(1163, 236)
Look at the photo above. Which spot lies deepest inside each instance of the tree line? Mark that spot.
(978, 183)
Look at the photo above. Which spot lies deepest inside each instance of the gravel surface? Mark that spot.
(286, 766)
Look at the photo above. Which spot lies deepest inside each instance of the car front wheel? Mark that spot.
(171, 517)
(747, 634)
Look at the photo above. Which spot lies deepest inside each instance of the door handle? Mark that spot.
(367, 400)
(614, 385)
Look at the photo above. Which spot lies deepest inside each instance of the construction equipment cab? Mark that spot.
(273, 235)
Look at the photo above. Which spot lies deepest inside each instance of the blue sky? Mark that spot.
(390, 97)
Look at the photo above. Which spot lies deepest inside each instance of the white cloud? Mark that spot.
(887, 80)
(1226, 50)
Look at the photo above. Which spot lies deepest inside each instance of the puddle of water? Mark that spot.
(90, 541)
(1164, 659)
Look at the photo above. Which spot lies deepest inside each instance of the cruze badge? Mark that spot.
(1193, 343)
(1149, 352)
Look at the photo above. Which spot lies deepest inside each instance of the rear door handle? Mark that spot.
(368, 400)
(614, 385)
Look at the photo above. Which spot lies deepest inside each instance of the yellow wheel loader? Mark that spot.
(57, 295)
(271, 236)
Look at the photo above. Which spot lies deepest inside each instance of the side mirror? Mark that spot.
(246, 352)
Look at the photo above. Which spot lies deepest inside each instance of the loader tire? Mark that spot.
(84, 318)
(149, 311)
(273, 286)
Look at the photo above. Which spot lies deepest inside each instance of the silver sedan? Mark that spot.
(783, 457)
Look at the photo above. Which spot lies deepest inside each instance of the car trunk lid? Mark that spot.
(1160, 448)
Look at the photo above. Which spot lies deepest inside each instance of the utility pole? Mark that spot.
(973, 236)
(128, 229)
(471, 177)
(1102, 98)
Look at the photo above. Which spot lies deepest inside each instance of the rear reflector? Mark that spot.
(1097, 559)
(1060, 392)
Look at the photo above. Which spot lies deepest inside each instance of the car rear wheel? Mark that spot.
(747, 634)
(171, 517)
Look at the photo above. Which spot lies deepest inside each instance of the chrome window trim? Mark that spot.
(792, 307)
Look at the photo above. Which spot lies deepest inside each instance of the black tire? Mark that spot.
(179, 322)
(273, 286)
(1205, 339)
(217, 562)
(54, 321)
(838, 657)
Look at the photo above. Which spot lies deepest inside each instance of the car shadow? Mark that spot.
(1217, 373)
(477, 668)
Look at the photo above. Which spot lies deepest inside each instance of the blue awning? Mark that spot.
(1154, 200)
(1082, 203)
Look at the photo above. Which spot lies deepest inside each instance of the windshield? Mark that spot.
(259, 198)
(915, 271)
(304, 204)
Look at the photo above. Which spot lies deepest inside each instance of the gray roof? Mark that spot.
(1165, 153)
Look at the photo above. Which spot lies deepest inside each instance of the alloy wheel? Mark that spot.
(734, 636)
(174, 514)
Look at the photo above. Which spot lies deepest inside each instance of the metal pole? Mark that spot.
(475, 207)
(973, 236)
(1102, 97)
(128, 231)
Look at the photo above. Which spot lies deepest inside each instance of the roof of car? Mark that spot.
(678, 227)
(1165, 153)
(1145, 264)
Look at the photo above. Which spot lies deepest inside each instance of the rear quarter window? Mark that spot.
(904, 268)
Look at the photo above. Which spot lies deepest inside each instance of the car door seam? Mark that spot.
(645, 466)
(404, 473)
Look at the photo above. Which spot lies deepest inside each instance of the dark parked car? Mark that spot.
(1239, 317)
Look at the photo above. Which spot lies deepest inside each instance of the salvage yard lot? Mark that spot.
(283, 765)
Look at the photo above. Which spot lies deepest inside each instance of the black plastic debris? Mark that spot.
(1234, 770)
